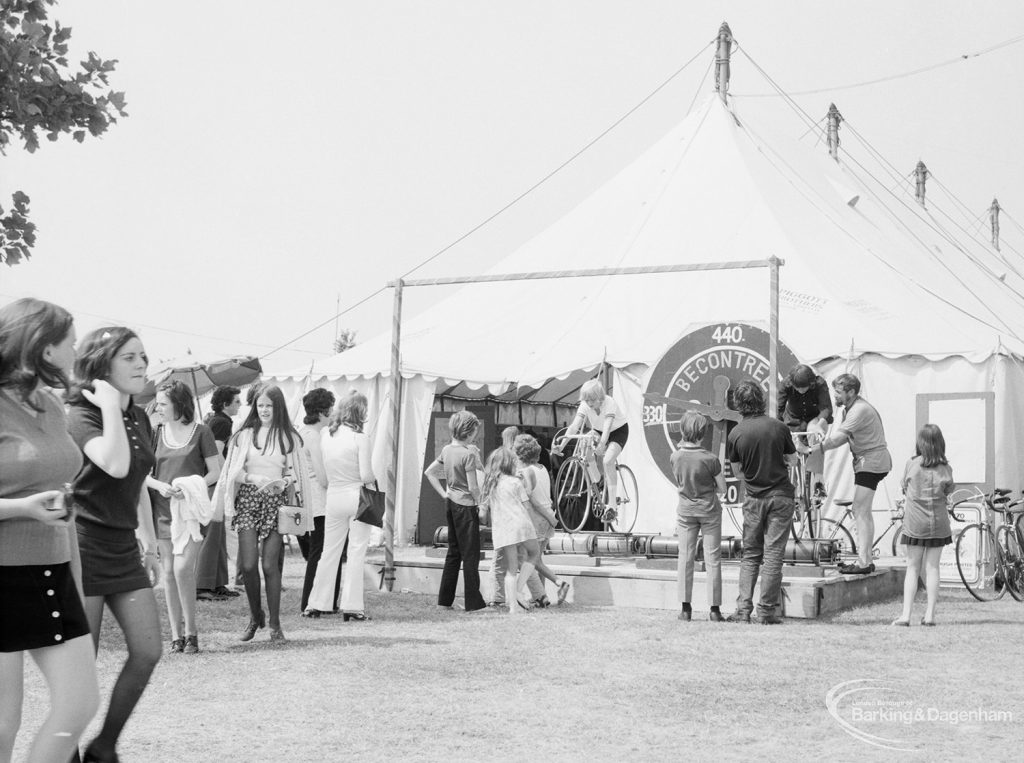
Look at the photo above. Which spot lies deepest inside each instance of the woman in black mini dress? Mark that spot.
(115, 514)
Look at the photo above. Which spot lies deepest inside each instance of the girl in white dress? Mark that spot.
(511, 528)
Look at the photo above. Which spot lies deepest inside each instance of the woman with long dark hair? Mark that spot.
(265, 464)
(114, 513)
(40, 607)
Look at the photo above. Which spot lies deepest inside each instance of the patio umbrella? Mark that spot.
(202, 374)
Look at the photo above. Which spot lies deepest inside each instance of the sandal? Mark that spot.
(563, 591)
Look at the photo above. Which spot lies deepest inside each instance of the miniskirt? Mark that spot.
(39, 607)
(111, 562)
(926, 542)
(256, 511)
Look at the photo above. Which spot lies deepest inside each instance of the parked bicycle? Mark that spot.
(580, 490)
(989, 559)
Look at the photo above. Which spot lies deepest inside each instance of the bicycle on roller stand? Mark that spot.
(806, 520)
(810, 521)
(580, 490)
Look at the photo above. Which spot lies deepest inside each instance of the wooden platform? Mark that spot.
(807, 591)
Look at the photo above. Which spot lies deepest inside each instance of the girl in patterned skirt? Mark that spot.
(265, 464)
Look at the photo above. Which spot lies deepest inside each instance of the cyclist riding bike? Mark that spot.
(805, 405)
(611, 431)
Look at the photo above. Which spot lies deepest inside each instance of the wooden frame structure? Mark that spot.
(772, 263)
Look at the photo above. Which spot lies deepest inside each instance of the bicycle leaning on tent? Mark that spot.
(580, 489)
(990, 561)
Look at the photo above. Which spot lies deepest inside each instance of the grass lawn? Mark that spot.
(570, 683)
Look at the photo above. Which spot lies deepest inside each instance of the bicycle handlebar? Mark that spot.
(807, 434)
(998, 500)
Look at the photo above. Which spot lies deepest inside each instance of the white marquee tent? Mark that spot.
(872, 282)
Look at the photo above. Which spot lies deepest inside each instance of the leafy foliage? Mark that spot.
(345, 340)
(41, 94)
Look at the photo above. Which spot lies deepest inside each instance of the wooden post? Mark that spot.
(722, 55)
(773, 338)
(396, 429)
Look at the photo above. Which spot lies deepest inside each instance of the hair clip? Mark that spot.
(106, 335)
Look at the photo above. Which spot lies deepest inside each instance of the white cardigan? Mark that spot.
(189, 512)
(227, 485)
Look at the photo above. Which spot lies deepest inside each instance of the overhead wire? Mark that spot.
(561, 166)
(519, 197)
(928, 219)
(780, 92)
(944, 234)
(700, 85)
(136, 324)
(891, 77)
(809, 120)
(985, 244)
(900, 223)
(319, 326)
(883, 261)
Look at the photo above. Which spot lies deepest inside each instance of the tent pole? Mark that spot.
(773, 337)
(195, 389)
(396, 428)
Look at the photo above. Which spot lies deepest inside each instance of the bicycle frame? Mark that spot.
(621, 517)
(806, 502)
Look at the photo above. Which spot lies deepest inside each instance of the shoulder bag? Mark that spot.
(371, 506)
(291, 514)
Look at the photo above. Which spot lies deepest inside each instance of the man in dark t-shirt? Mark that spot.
(212, 564)
(761, 450)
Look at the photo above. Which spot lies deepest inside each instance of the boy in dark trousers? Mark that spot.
(457, 465)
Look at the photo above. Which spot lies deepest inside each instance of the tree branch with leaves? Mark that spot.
(42, 94)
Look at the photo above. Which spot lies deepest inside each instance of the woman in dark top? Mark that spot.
(183, 448)
(114, 513)
(40, 607)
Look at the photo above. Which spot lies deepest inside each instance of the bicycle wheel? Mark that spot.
(832, 530)
(897, 547)
(803, 524)
(572, 495)
(975, 549)
(802, 515)
(629, 501)
(1013, 563)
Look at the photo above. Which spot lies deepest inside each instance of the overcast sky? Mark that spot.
(280, 158)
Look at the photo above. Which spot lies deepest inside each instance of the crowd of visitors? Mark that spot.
(97, 506)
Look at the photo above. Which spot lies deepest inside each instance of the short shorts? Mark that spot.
(869, 480)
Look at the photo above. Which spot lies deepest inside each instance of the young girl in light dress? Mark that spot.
(927, 481)
(538, 487)
(506, 500)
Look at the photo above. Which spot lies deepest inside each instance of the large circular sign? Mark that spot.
(703, 368)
